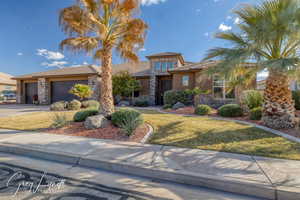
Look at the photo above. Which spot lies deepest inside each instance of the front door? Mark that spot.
(164, 84)
(31, 90)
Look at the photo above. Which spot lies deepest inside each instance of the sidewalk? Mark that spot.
(257, 176)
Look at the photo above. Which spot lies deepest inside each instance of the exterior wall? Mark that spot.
(43, 91)
(154, 73)
(145, 86)
(94, 83)
(19, 91)
(177, 81)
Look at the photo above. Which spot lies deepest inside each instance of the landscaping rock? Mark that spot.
(124, 103)
(178, 105)
(94, 122)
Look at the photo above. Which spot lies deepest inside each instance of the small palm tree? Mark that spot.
(100, 26)
(269, 38)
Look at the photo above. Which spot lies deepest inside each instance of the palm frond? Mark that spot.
(80, 44)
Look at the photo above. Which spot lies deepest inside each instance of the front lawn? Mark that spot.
(189, 132)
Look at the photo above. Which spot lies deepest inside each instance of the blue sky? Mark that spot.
(30, 34)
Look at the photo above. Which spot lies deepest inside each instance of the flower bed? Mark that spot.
(111, 132)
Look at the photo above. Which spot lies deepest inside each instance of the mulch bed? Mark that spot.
(111, 132)
(190, 110)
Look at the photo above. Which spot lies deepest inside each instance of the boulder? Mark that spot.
(97, 121)
(123, 103)
(178, 105)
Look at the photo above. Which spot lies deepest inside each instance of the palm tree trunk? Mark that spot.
(279, 110)
(106, 97)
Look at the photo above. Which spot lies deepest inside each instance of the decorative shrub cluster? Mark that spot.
(172, 97)
(127, 119)
(230, 110)
(142, 101)
(202, 110)
(74, 105)
(91, 104)
(256, 113)
(81, 116)
(59, 121)
(296, 98)
(252, 99)
(58, 106)
(167, 106)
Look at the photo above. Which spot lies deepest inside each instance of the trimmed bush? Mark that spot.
(252, 99)
(59, 121)
(58, 106)
(230, 110)
(167, 106)
(127, 119)
(91, 104)
(74, 105)
(202, 110)
(296, 98)
(81, 116)
(142, 101)
(172, 97)
(256, 113)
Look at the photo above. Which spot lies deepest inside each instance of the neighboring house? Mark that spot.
(6, 83)
(162, 72)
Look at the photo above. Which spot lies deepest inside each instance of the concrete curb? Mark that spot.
(148, 135)
(227, 184)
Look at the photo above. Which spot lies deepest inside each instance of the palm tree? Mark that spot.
(269, 37)
(98, 27)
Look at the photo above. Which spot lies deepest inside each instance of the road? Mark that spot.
(28, 178)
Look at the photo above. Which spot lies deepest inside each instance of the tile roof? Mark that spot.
(87, 70)
(5, 79)
(165, 54)
(195, 66)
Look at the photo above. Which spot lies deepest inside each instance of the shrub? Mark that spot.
(127, 119)
(230, 110)
(252, 99)
(81, 116)
(74, 105)
(167, 106)
(296, 98)
(59, 121)
(256, 113)
(202, 110)
(82, 91)
(172, 97)
(58, 106)
(142, 101)
(91, 104)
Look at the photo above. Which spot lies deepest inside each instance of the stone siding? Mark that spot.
(19, 92)
(43, 91)
(94, 82)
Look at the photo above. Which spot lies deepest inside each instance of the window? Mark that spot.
(171, 65)
(164, 66)
(185, 80)
(221, 90)
(157, 66)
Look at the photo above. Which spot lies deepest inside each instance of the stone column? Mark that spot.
(19, 92)
(43, 91)
(152, 88)
(94, 82)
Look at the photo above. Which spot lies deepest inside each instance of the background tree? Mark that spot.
(124, 84)
(82, 91)
(100, 26)
(269, 36)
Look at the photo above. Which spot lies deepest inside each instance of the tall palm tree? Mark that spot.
(269, 37)
(98, 27)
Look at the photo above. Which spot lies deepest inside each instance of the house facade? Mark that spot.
(6, 83)
(162, 72)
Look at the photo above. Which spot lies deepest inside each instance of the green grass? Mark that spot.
(209, 134)
(188, 132)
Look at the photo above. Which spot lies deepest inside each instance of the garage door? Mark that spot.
(60, 90)
(31, 90)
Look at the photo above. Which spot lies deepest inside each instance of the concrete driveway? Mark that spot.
(15, 109)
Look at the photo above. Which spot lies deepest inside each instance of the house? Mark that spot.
(6, 83)
(162, 72)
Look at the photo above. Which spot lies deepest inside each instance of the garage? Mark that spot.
(60, 90)
(31, 90)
